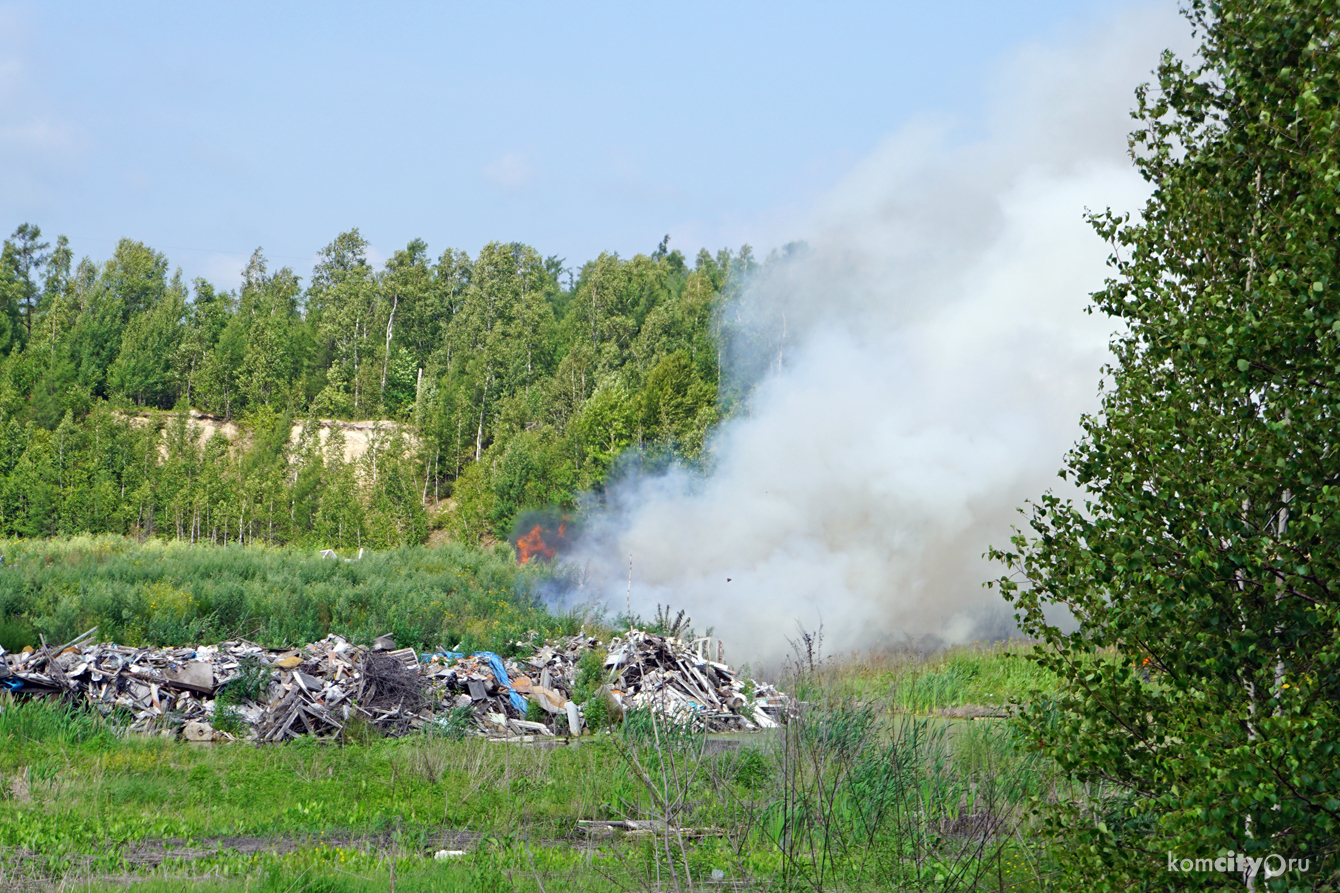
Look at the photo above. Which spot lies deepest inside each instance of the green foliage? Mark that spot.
(591, 676)
(227, 719)
(455, 724)
(749, 767)
(513, 391)
(16, 634)
(678, 407)
(591, 673)
(251, 683)
(1200, 688)
(596, 713)
(176, 594)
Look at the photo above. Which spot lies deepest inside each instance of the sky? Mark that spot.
(207, 130)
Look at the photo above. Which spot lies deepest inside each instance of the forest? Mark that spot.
(512, 381)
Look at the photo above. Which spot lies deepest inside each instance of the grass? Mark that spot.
(105, 782)
(171, 593)
(985, 675)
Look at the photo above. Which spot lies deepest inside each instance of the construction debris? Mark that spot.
(239, 689)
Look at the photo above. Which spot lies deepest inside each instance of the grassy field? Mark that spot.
(169, 593)
(855, 793)
(873, 784)
(979, 675)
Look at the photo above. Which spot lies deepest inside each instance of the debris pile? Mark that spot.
(238, 689)
(232, 689)
(679, 680)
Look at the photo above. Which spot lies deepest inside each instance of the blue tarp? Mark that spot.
(499, 673)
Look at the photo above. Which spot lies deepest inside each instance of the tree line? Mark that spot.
(515, 383)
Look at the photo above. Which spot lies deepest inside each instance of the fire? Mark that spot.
(533, 544)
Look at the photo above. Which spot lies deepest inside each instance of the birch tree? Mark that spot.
(1200, 689)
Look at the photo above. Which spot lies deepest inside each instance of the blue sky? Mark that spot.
(207, 130)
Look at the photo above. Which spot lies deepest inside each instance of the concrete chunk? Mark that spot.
(196, 676)
(197, 731)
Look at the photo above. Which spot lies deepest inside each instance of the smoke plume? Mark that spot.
(935, 363)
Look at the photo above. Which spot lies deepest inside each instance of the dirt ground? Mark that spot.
(358, 436)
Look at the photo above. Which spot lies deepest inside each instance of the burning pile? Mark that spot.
(543, 540)
(238, 689)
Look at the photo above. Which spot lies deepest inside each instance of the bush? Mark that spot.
(252, 683)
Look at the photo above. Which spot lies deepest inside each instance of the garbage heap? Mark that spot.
(239, 689)
(677, 679)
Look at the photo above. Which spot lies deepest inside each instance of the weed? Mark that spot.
(15, 634)
(251, 683)
(596, 711)
(359, 730)
(454, 724)
(680, 625)
(591, 673)
(178, 594)
(228, 719)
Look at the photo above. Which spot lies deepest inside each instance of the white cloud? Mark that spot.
(513, 171)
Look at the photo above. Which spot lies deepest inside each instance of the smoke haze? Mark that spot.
(936, 362)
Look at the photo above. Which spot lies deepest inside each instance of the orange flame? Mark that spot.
(533, 544)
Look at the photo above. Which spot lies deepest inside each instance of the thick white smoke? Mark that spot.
(937, 362)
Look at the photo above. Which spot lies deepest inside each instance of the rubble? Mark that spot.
(239, 689)
(679, 680)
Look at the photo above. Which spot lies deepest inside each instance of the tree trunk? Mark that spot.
(386, 360)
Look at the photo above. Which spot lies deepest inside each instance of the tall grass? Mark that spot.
(170, 593)
(851, 793)
(909, 681)
(49, 724)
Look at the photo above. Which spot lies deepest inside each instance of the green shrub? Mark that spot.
(748, 766)
(15, 634)
(590, 674)
(228, 719)
(252, 683)
(454, 724)
(596, 712)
